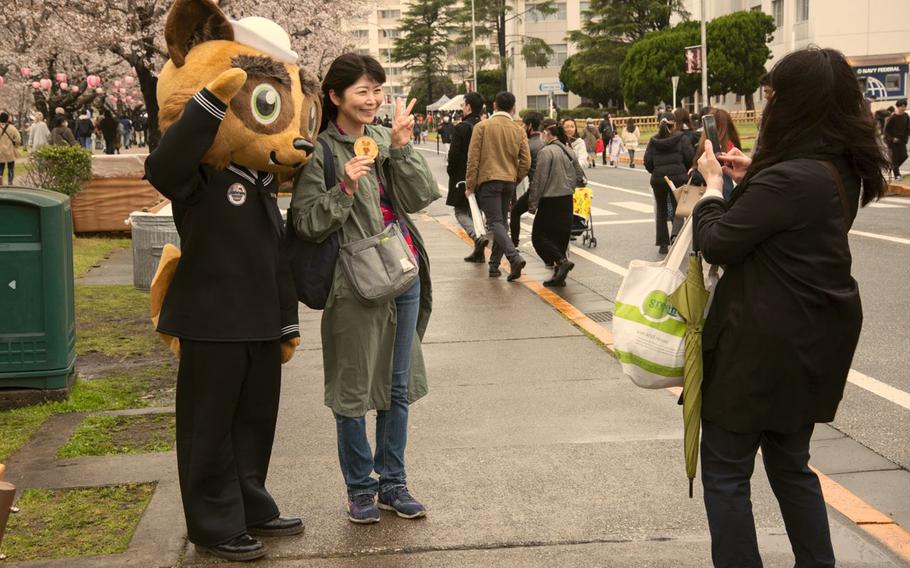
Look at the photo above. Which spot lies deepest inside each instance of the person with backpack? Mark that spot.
(606, 135)
(10, 140)
(84, 129)
(457, 168)
(372, 355)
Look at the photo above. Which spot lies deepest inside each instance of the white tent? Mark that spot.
(454, 104)
(435, 106)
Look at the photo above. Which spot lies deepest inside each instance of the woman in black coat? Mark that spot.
(786, 317)
(456, 168)
(669, 154)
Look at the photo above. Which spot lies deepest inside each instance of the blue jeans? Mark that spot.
(357, 461)
(86, 142)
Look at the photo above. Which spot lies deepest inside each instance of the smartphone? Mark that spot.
(710, 125)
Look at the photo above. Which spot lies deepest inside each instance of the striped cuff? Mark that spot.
(210, 103)
(290, 332)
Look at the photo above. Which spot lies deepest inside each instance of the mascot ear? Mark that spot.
(191, 22)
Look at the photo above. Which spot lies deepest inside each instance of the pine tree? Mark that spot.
(423, 43)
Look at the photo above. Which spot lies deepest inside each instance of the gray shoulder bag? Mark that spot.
(379, 268)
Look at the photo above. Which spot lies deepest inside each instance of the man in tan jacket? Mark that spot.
(498, 158)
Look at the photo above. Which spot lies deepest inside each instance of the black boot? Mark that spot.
(562, 271)
(477, 256)
(516, 267)
(239, 549)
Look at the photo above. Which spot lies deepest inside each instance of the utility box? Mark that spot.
(37, 306)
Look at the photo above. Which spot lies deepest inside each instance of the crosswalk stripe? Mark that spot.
(635, 206)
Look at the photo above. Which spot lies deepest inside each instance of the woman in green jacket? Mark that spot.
(372, 354)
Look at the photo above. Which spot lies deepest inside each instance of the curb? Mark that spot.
(873, 522)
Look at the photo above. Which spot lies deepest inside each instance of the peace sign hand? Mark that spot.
(402, 123)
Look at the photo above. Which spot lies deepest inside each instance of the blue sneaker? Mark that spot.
(397, 498)
(362, 509)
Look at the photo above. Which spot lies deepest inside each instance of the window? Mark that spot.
(361, 34)
(893, 81)
(739, 99)
(362, 51)
(541, 102)
(389, 14)
(558, 16)
(393, 71)
(392, 34)
(802, 10)
(755, 8)
(777, 10)
(558, 57)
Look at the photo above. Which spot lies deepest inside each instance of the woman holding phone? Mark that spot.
(371, 354)
(780, 336)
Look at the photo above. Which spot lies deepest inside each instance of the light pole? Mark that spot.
(675, 80)
(704, 56)
(474, 45)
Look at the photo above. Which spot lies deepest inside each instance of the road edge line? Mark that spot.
(885, 530)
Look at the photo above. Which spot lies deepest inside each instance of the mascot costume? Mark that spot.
(237, 115)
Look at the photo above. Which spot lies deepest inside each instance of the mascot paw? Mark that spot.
(226, 85)
(287, 349)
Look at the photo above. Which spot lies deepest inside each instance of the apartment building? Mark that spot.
(873, 34)
(375, 35)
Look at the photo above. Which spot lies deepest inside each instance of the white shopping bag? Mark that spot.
(480, 228)
(648, 332)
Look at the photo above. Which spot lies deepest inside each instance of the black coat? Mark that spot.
(458, 160)
(786, 317)
(670, 156)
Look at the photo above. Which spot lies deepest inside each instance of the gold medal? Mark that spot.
(366, 146)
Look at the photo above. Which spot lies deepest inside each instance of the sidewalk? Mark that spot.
(531, 450)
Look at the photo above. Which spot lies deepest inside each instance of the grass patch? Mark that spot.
(105, 435)
(114, 321)
(62, 523)
(89, 251)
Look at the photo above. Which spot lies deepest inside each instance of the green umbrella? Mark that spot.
(690, 300)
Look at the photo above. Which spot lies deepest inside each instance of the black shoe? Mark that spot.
(281, 526)
(562, 270)
(554, 283)
(477, 256)
(494, 271)
(663, 249)
(515, 272)
(239, 549)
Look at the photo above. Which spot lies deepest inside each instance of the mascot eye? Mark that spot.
(266, 103)
(312, 121)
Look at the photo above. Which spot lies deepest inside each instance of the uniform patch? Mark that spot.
(236, 194)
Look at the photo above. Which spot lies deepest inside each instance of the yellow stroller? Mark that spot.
(582, 222)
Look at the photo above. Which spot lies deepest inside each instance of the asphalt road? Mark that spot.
(876, 406)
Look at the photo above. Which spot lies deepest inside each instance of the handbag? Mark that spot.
(686, 196)
(313, 264)
(381, 267)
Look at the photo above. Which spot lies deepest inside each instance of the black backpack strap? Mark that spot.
(328, 165)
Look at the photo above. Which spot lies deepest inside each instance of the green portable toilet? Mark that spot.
(37, 308)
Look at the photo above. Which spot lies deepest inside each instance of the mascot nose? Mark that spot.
(303, 144)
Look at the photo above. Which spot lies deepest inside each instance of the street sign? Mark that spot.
(551, 87)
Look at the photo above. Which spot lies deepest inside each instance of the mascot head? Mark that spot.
(272, 122)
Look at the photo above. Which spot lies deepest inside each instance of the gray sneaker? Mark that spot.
(362, 509)
(398, 499)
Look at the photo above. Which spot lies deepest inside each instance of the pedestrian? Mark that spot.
(532, 121)
(727, 136)
(417, 131)
(630, 136)
(881, 117)
(668, 154)
(550, 198)
(616, 148)
(445, 130)
(108, 127)
(126, 126)
(61, 135)
(897, 130)
(684, 124)
(142, 129)
(606, 135)
(10, 140)
(591, 136)
(786, 317)
(39, 134)
(371, 354)
(498, 158)
(457, 167)
(573, 141)
(83, 131)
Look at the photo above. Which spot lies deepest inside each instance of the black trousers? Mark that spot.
(662, 197)
(227, 406)
(552, 228)
(493, 198)
(898, 156)
(728, 459)
(518, 209)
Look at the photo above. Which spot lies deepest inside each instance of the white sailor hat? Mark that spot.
(266, 36)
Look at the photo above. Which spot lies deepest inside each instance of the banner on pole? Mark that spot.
(693, 59)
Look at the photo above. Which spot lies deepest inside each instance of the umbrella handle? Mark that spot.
(690, 488)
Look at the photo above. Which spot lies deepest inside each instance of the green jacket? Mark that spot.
(358, 340)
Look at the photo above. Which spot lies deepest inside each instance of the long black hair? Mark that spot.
(346, 70)
(554, 128)
(816, 96)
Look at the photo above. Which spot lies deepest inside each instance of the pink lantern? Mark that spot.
(74, 88)
(92, 81)
(129, 80)
(61, 77)
(45, 84)
(1, 82)
(26, 72)
(99, 90)
(36, 85)
(133, 71)
(117, 83)
(64, 86)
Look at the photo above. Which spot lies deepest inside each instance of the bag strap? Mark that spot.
(840, 190)
(328, 164)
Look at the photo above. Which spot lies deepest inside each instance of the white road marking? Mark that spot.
(623, 189)
(623, 222)
(886, 205)
(611, 266)
(881, 237)
(634, 206)
(598, 212)
(883, 390)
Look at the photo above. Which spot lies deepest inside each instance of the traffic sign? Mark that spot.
(551, 87)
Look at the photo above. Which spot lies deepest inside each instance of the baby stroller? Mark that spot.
(582, 223)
